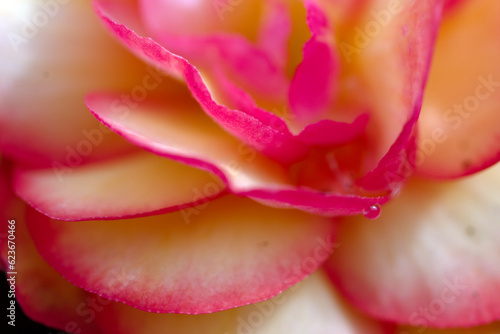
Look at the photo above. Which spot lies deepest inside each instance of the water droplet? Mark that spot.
(372, 212)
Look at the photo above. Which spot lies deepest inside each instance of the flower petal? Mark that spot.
(184, 133)
(44, 295)
(166, 129)
(459, 132)
(312, 86)
(310, 307)
(220, 39)
(205, 17)
(56, 82)
(331, 133)
(129, 186)
(275, 32)
(312, 89)
(276, 143)
(450, 5)
(430, 259)
(316, 202)
(225, 253)
(388, 49)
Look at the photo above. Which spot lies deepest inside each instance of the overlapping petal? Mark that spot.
(49, 299)
(392, 44)
(349, 141)
(404, 47)
(225, 253)
(167, 130)
(129, 186)
(224, 40)
(430, 259)
(309, 307)
(313, 86)
(183, 132)
(273, 141)
(330, 133)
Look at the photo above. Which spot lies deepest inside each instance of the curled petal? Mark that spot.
(182, 132)
(331, 133)
(313, 88)
(316, 202)
(166, 130)
(219, 36)
(276, 143)
(392, 61)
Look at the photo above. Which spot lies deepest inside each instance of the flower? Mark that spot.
(248, 150)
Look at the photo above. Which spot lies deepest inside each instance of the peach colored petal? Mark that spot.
(167, 130)
(182, 132)
(459, 131)
(223, 38)
(386, 49)
(277, 143)
(134, 185)
(55, 302)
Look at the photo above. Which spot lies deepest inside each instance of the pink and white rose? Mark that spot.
(209, 166)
